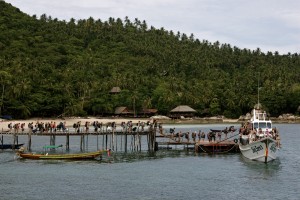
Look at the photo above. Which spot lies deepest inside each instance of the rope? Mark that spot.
(228, 138)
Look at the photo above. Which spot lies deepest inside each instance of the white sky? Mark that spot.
(271, 25)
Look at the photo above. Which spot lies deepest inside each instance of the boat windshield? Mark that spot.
(262, 125)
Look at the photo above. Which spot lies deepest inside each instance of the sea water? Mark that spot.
(165, 174)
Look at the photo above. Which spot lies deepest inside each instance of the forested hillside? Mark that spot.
(49, 67)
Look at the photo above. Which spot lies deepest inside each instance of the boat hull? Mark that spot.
(79, 156)
(263, 150)
(10, 146)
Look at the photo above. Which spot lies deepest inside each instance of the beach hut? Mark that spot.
(122, 111)
(148, 112)
(115, 90)
(182, 111)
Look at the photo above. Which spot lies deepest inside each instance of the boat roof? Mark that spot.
(259, 115)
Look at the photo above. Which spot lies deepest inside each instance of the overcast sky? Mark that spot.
(271, 25)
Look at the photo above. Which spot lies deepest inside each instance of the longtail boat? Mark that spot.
(10, 146)
(46, 155)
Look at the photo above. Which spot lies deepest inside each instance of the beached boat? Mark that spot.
(10, 146)
(47, 155)
(258, 139)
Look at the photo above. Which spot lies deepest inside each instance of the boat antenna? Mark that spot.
(258, 91)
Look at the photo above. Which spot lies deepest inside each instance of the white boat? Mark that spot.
(258, 139)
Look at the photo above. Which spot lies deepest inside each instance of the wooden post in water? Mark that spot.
(122, 138)
(116, 142)
(106, 140)
(82, 143)
(126, 140)
(102, 140)
(140, 142)
(97, 141)
(152, 132)
(133, 143)
(52, 139)
(67, 142)
(112, 138)
(148, 141)
(2, 139)
(29, 141)
(14, 140)
(87, 142)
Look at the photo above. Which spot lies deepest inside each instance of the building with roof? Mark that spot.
(182, 111)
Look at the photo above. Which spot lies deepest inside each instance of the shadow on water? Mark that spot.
(120, 157)
(265, 170)
(115, 157)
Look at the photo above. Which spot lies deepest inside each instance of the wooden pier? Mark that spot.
(155, 138)
(108, 134)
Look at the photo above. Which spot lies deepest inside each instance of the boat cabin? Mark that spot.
(260, 121)
(262, 125)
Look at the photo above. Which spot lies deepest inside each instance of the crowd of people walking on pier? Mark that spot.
(196, 136)
(78, 127)
(128, 126)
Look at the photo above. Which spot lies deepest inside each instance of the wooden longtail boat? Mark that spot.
(10, 146)
(77, 156)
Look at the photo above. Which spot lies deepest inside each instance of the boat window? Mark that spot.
(255, 125)
(267, 125)
(262, 125)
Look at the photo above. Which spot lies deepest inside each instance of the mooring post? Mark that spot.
(112, 139)
(52, 139)
(140, 142)
(116, 142)
(148, 141)
(125, 140)
(153, 145)
(87, 142)
(97, 141)
(29, 141)
(14, 140)
(106, 138)
(2, 139)
(102, 140)
(149, 136)
(122, 138)
(67, 142)
(82, 142)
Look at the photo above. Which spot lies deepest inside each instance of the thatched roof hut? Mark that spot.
(182, 110)
(115, 90)
(122, 110)
(149, 111)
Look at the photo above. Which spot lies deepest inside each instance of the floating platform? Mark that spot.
(213, 147)
(227, 146)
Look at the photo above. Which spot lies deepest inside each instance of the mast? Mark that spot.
(258, 105)
(258, 90)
